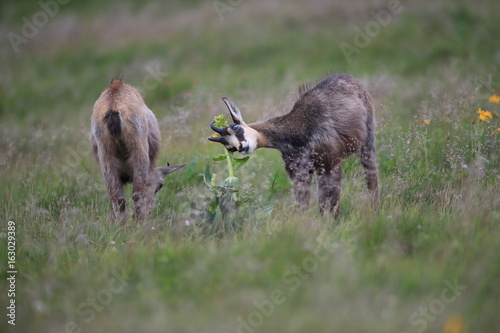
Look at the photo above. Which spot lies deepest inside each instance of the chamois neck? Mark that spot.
(261, 134)
(281, 134)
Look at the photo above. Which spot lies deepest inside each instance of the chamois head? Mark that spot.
(238, 136)
(158, 175)
(154, 182)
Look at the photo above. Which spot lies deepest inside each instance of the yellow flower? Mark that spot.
(214, 136)
(484, 115)
(427, 122)
(454, 324)
(495, 98)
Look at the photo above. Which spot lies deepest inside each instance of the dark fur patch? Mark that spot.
(125, 178)
(113, 123)
(243, 150)
(239, 132)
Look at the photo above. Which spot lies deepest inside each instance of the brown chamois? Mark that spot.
(327, 124)
(125, 139)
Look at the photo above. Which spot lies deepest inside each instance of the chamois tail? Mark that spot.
(112, 118)
(113, 123)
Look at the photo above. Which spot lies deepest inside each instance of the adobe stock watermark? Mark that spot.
(31, 26)
(488, 83)
(225, 7)
(74, 154)
(154, 77)
(11, 272)
(421, 318)
(292, 279)
(364, 37)
(88, 309)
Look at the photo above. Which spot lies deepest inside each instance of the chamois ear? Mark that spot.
(234, 111)
(168, 169)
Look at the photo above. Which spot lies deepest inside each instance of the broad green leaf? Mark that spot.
(265, 211)
(207, 176)
(220, 157)
(217, 219)
(212, 207)
(238, 162)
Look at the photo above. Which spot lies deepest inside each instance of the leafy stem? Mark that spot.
(229, 163)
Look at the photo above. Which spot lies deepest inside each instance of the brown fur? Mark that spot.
(328, 123)
(126, 141)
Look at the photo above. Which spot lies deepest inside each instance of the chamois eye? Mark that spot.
(236, 127)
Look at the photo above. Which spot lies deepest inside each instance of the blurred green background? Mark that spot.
(264, 269)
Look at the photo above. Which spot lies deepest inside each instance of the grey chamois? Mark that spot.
(125, 139)
(328, 123)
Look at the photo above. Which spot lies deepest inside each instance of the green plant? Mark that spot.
(226, 198)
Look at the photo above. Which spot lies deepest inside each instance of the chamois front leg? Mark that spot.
(329, 183)
(301, 179)
(142, 192)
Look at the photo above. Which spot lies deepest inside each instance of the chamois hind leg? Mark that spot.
(329, 182)
(369, 162)
(114, 186)
(142, 194)
(301, 179)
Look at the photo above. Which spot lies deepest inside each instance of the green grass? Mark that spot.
(256, 271)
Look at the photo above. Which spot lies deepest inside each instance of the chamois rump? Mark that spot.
(328, 123)
(125, 139)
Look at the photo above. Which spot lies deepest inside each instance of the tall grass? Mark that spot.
(272, 271)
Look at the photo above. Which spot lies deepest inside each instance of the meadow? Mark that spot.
(428, 260)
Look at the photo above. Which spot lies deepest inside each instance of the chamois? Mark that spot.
(328, 123)
(125, 139)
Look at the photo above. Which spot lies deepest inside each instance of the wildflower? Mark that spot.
(484, 115)
(495, 98)
(495, 132)
(220, 121)
(427, 122)
(454, 324)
